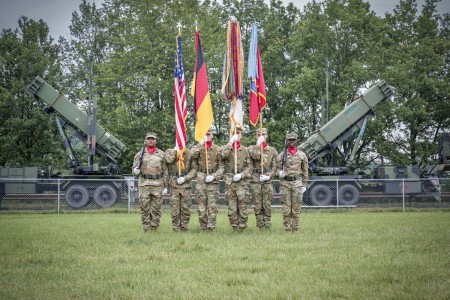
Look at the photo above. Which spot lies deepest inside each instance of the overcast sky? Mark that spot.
(58, 13)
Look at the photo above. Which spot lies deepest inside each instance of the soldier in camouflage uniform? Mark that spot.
(237, 182)
(293, 180)
(209, 171)
(262, 185)
(152, 180)
(181, 172)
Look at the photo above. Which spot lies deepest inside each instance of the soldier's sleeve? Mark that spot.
(226, 151)
(193, 172)
(279, 163)
(165, 173)
(195, 151)
(305, 167)
(170, 155)
(135, 162)
(255, 152)
(273, 163)
(221, 169)
(248, 171)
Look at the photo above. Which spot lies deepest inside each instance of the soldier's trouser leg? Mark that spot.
(155, 206)
(242, 197)
(258, 204)
(185, 208)
(201, 197)
(286, 201)
(296, 207)
(150, 201)
(175, 208)
(232, 202)
(267, 196)
(212, 191)
(144, 205)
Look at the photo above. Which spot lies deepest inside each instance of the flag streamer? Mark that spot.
(233, 69)
(256, 77)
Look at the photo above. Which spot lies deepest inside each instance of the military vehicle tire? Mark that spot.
(348, 195)
(77, 196)
(320, 195)
(105, 195)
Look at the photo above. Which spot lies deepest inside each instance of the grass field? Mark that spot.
(347, 255)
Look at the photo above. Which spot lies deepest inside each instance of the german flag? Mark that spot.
(202, 101)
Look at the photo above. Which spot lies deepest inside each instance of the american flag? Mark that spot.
(180, 103)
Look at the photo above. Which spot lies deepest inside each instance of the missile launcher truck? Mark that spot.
(349, 122)
(103, 187)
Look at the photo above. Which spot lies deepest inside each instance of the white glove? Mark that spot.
(237, 177)
(180, 180)
(263, 178)
(234, 138)
(282, 174)
(302, 189)
(209, 178)
(165, 191)
(136, 171)
(261, 140)
(205, 139)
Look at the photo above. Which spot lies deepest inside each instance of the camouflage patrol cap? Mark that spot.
(264, 131)
(212, 130)
(291, 136)
(150, 134)
(238, 128)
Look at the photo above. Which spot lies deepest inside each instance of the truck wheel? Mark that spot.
(77, 196)
(105, 196)
(320, 195)
(348, 195)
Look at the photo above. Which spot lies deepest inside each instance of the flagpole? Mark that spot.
(262, 147)
(206, 159)
(235, 148)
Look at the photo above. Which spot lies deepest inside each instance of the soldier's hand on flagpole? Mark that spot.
(302, 189)
(237, 177)
(205, 139)
(261, 140)
(209, 178)
(282, 174)
(234, 138)
(180, 180)
(263, 178)
(136, 171)
(165, 191)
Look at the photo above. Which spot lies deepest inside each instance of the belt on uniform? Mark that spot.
(209, 170)
(152, 176)
(264, 171)
(232, 170)
(176, 173)
(291, 178)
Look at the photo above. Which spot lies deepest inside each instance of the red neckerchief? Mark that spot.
(292, 150)
(209, 144)
(151, 150)
(236, 145)
(264, 144)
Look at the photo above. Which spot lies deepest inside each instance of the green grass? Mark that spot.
(347, 255)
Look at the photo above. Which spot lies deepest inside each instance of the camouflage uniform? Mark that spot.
(180, 194)
(237, 192)
(296, 170)
(152, 179)
(207, 194)
(263, 191)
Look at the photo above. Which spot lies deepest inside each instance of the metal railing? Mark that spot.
(58, 195)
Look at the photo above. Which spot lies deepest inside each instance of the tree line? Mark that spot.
(132, 46)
